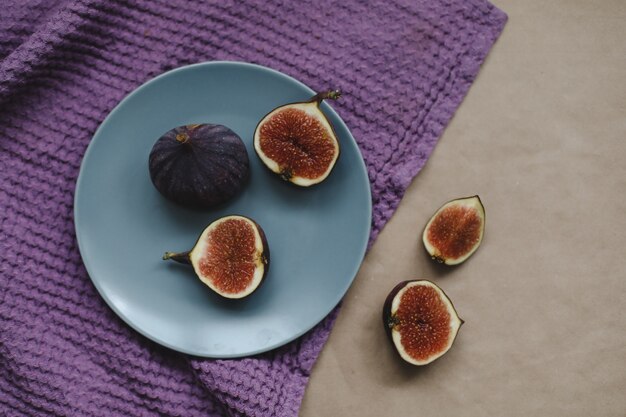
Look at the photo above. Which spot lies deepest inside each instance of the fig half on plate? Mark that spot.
(421, 321)
(231, 256)
(455, 231)
(297, 141)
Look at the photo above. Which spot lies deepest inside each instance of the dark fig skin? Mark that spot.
(184, 257)
(266, 251)
(388, 319)
(201, 166)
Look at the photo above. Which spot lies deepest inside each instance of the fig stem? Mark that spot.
(181, 257)
(331, 95)
(182, 138)
(392, 321)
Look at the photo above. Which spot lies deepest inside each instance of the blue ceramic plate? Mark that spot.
(317, 236)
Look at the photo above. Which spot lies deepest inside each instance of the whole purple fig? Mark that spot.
(201, 165)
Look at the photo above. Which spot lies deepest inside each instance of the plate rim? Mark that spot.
(120, 314)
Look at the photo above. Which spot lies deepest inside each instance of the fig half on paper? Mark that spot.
(231, 256)
(421, 321)
(455, 231)
(298, 142)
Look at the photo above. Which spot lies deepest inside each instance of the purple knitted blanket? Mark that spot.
(403, 65)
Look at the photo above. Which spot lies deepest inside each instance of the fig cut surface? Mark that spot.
(421, 321)
(298, 142)
(455, 231)
(231, 256)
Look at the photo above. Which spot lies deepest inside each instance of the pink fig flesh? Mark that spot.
(420, 320)
(231, 256)
(455, 231)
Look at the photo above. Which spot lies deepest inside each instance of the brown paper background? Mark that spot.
(541, 137)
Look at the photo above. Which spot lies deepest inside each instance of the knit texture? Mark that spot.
(403, 66)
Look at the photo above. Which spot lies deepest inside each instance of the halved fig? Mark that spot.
(297, 141)
(231, 256)
(420, 320)
(455, 231)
